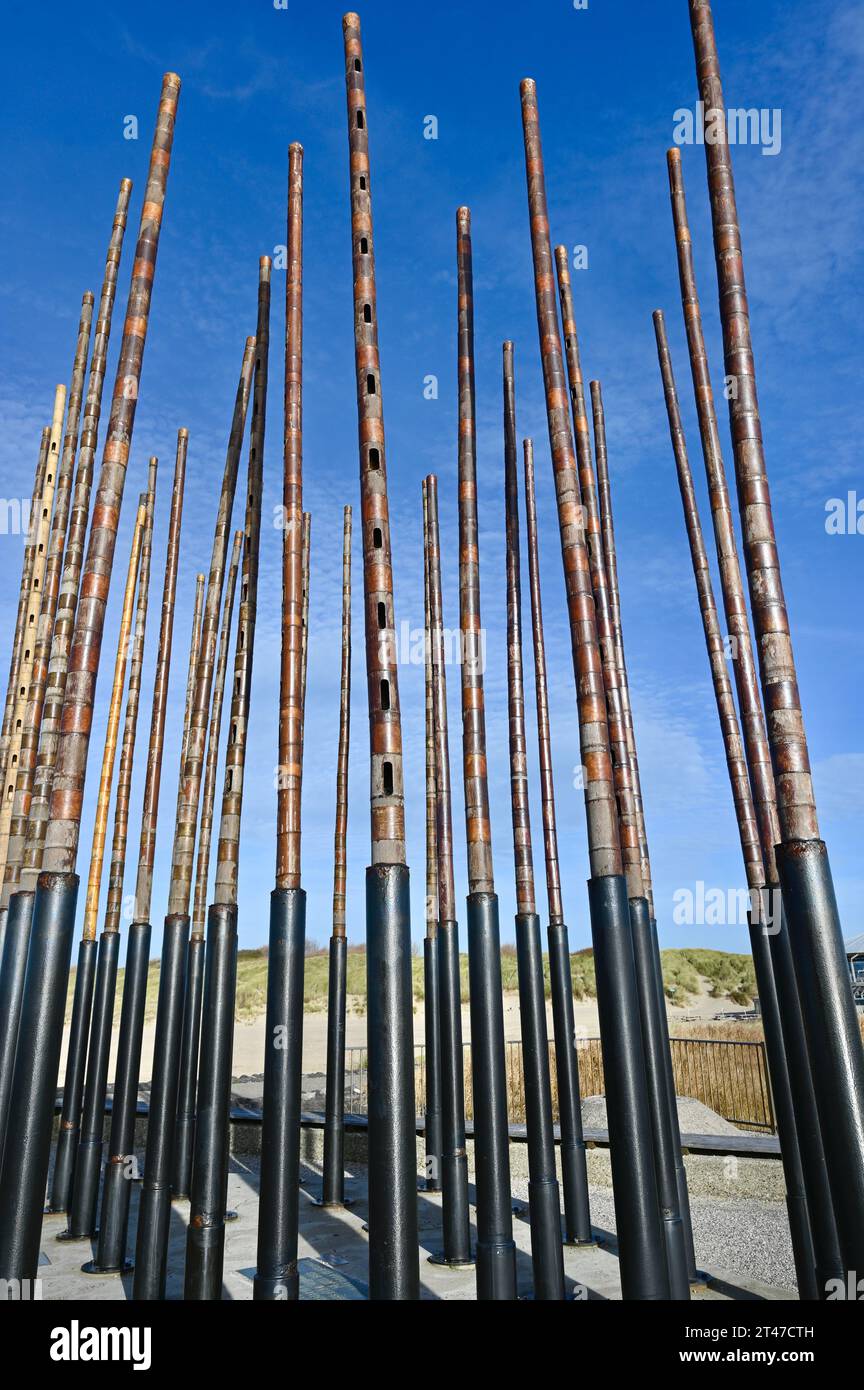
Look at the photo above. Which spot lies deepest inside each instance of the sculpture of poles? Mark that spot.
(205, 1238)
(393, 1254)
(809, 904)
(800, 1226)
(31, 1107)
(547, 1254)
(771, 924)
(454, 1161)
(574, 1168)
(120, 1166)
(604, 497)
(432, 1033)
(184, 1134)
(641, 1239)
(333, 1187)
(155, 1209)
(496, 1250)
(278, 1209)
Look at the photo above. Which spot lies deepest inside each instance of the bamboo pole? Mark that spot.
(643, 1262)
(574, 1170)
(431, 1010)
(70, 583)
(205, 1243)
(456, 1250)
(393, 1260)
(333, 1174)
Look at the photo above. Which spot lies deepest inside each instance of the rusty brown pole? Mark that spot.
(800, 1225)
(333, 1172)
(70, 583)
(431, 1007)
(547, 1254)
(574, 1169)
(643, 1261)
(809, 903)
(304, 617)
(393, 1254)
(758, 755)
(496, 1251)
(114, 1214)
(205, 1244)
(73, 1083)
(456, 1228)
(88, 1162)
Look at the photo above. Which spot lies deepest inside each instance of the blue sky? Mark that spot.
(610, 78)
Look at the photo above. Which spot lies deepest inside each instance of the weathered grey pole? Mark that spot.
(155, 1210)
(120, 1167)
(696, 1277)
(333, 1189)
(796, 1203)
(810, 907)
(574, 1167)
(40, 1038)
(278, 1208)
(640, 1234)
(432, 1022)
(829, 1260)
(456, 1226)
(393, 1252)
(547, 1255)
(205, 1240)
(184, 1134)
(496, 1250)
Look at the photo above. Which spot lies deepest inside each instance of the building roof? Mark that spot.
(855, 945)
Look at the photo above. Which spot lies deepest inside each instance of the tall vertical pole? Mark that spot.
(574, 1167)
(496, 1250)
(333, 1189)
(278, 1207)
(641, 1240)
(800, 1225)
(205, 1240)
(454, 1161)
(431, 1003)
(809, 904)
(120, 1165)
(547, 1255)
(155, 1210)
(31, 1107)
(393, 1254)
(816, 1177)
(184, 1134)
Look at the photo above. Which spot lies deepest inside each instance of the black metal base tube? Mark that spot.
(781, 1089)
(833, 1037)
(574, 1167)
(184, 1133)
(154, 1213)
(69, 1135)
(496, 1249)
(655, 1070)
(695, 1275)
(547, 1253)
(333, 1189)
(205, 1237)
(456, 1224)
(16, 945)
(88, 1162)
(641, 1244)
(121, 1167)
(31, 1105)
(432, 1109)
(817, 1188)
(394, 1271)
(276, 1278)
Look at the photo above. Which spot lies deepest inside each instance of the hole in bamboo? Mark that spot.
(370, 384)
(364, 246)
(233, 733)
(360, 121)
(374, 458)
(382, 615)
(387, 778)
(377, 538)
(362, 183)
(367, 313)
(357, 67)
(385, 695)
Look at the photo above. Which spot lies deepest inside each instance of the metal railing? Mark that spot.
(731, 1078)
